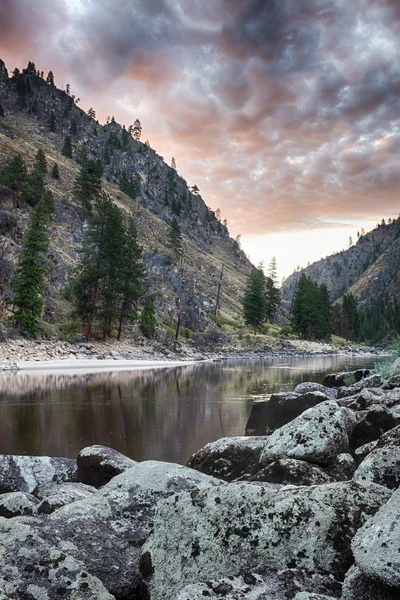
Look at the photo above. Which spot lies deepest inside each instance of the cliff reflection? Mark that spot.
(164, 414)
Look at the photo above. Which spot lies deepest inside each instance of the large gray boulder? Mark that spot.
(311, 386)
(97, 465)
(382, 464)
(317, 436)
(372, 424)
(268, 586)
(62, 494)
(376, 546)
(243, 527)
(16, 504)
(372, 381)
(342, 468)
(311, 596)
(266, 417)
(345, 378)
(289, 471)
(25, 473)
(358, 586)
(31, 567)
(229, 458)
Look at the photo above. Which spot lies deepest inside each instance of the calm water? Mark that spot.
(164, 414)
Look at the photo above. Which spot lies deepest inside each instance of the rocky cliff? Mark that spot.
(32, 109)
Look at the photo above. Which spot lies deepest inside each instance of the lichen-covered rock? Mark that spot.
(241, 527)
(63, 494)
(358, 586)
(342, 468)
(266, 417)
(288, 471)
(372, 381)
(311, 386)
(363, 451)
(381, 466)
(31, 567)
(365, 398)
(16, 504)
(268, 586)
(310, 596)
(317, 436)
(97, 465)
(24, 473)
(228, 458)
(376, 546)
(49, 489)
(372, 424)
(345, 378)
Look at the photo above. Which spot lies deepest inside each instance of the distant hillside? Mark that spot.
(38, 115)
(367, 269)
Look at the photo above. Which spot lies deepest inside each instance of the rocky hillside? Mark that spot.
(366, 269)
(39, 115)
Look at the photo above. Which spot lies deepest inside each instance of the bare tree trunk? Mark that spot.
(179, 311)
(219, 290)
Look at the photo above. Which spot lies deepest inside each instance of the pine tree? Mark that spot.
(40, 162)
(311, 310)
(254, 300)
(148, 321)
(175, 239)
(15, 175)
(67, 147)
(1, 110)
(87, 186)
(53, 123)
(34, 187)
(273, 293)
(125, 138)
(351, 318)
(92, 113)
(173, 164)
(29, 278)
(50, 78)
(137, 130)
(55, 171)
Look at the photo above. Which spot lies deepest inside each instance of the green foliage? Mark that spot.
(148, 321)
(273, 293)
(1, 110)
(40, 162)
(53, 123)
(87, 186)
(29, 278)
(311, 310)
(131, 186)
(67, 147)
(34, 187)
(15, 175)
(380, 319)
(175, 238)
(55, 171)
(137, 130)
(254, 300)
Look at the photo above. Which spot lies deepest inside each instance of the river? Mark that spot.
(165, 414)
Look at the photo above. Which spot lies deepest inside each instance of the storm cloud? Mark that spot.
(284, 112)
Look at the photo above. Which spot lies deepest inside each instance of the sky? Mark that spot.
(285, 113)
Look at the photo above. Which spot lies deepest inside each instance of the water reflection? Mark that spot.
(164, 414)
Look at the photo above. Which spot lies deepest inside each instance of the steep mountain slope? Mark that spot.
(368, 268)
(31, 108)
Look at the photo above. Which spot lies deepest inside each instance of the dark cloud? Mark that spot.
(284, 112)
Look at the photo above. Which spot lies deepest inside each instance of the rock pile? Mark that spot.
(309, 509)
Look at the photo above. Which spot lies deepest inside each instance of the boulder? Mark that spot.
(372, 424)
(64, 494)
(376, 546)
(311, 386)
(364, 399)
(97, 465)
(345, 378)
(252, 586)
(317, 436)
(372, 381)
(24, 473)
(288, 471)
(49, 489)
(242, 527)
(382, 464)
(363, 451)
(342, 468)
(16, 504)
(358, 586)
(311, 596)
(229, 458)
(266, 417)
(32, 567)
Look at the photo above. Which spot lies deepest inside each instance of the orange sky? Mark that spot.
(284, 113)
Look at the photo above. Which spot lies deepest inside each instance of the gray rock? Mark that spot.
(49, 489)
(363, 451)
(64, 494)
(252, 586)
(342, 468)
(372, 381)
(266, 417)
(345, 378)
(317, 436)
(358, 586)
(371, 425)
(24, 473)
(16, 504)
(376, 546)
(97, 465)
(364, 399)
(223, 531)
(32, 568)
(228, 458)
(310, 596)
(288, 471)
(382, 464)
(311, 386)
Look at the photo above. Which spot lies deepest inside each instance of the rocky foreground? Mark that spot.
(305, 507)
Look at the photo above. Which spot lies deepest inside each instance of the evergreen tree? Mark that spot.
(131, 186)
(29, 278)
(273, 293)
(351, 318)
(87, 186)
(15, 175)
(311, 310)
(55, 171)
(125, 138)
(34, 187)
(92, 113)
(40, 162)
(137, 130)
(173, 164)
(50, 78)
(254, 300)
(53, 123)
(175, 239)
(67, 147)
(148, 321)
(1, 110)
(132, 273)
